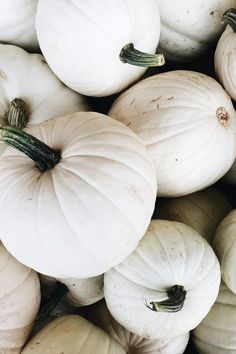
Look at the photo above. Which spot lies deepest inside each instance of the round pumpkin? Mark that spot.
(225, 57)
(99, 42)
(191, 27)
(82, 205)
(167, 285)
(224, 244)
(216, 332)
(188, 124)
(19, 302)
(202, 210)
(132, 343)
(72, 334)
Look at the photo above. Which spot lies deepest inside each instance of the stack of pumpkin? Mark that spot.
(110, 176)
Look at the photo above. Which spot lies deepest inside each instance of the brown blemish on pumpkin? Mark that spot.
(223, 116)
(132, 101)
(170, 98)
(3, 75)
(154, 100)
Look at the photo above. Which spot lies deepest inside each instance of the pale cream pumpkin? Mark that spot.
(188, 124)
(17, 23)
(202, 210)
(216, 333)
(72, 334)
(19, 302)
(167, 285)
(82, 205)
(132, 343)
(224, 244)
(225, 55)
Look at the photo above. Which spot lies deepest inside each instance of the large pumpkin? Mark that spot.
(99, 41)
(82, 205)
(188, 124)
(19, 302)
(72, 334)
(167, 285)
(191, 27)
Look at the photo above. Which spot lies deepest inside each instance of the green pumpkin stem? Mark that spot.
(45, 157)
(17, 115)
(133, 56)
(59, 291)
(176, 296)
(229, 17)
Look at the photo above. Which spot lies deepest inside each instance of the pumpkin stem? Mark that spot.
(57, 294)
(45, 157)
(174, 303)
(17, 113)
(229, 17)
(133, 56)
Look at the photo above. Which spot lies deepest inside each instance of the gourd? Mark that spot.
(216, 333)
(72, 334)
(202, 210)
(83, 199)
(167, 285)
(192, 28)
(27, 76)
(17, 23)
(224, 244)
(19, 302)
(104, 46)
(187, 122)
(132, 343)
(224, 58)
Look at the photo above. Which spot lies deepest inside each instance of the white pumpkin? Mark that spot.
(224, 244)
(191, 27)
(95, 46)
(84, 204)
(80, 292)
(225, 56)
(19, 302)
(167, 285)
(216, 333)
(17, 23)
(69, 335)
(132, 343)
(188, 124)
(202, 210)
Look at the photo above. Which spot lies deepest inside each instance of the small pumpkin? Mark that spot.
(216, 332)
(17, 23)
(103, 45)
(132, 343)
(167, 285)
(187, 122)
(191, 28)
(19, 302)
(224, 244)
(82, 202)
(72, 334)
(225, 56)
(202, 210)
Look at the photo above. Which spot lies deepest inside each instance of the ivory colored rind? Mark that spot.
(19, 302)
(72, 334)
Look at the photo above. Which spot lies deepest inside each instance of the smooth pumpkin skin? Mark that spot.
(216, 332)
(203, 210)
(191, 27)
(224, 60)
(72, 334)
(94, 32)
(224, 244)
(87, 213)
(17, 23)
(19, 302)
(132, 343)
(170, 253)
(177, 116)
